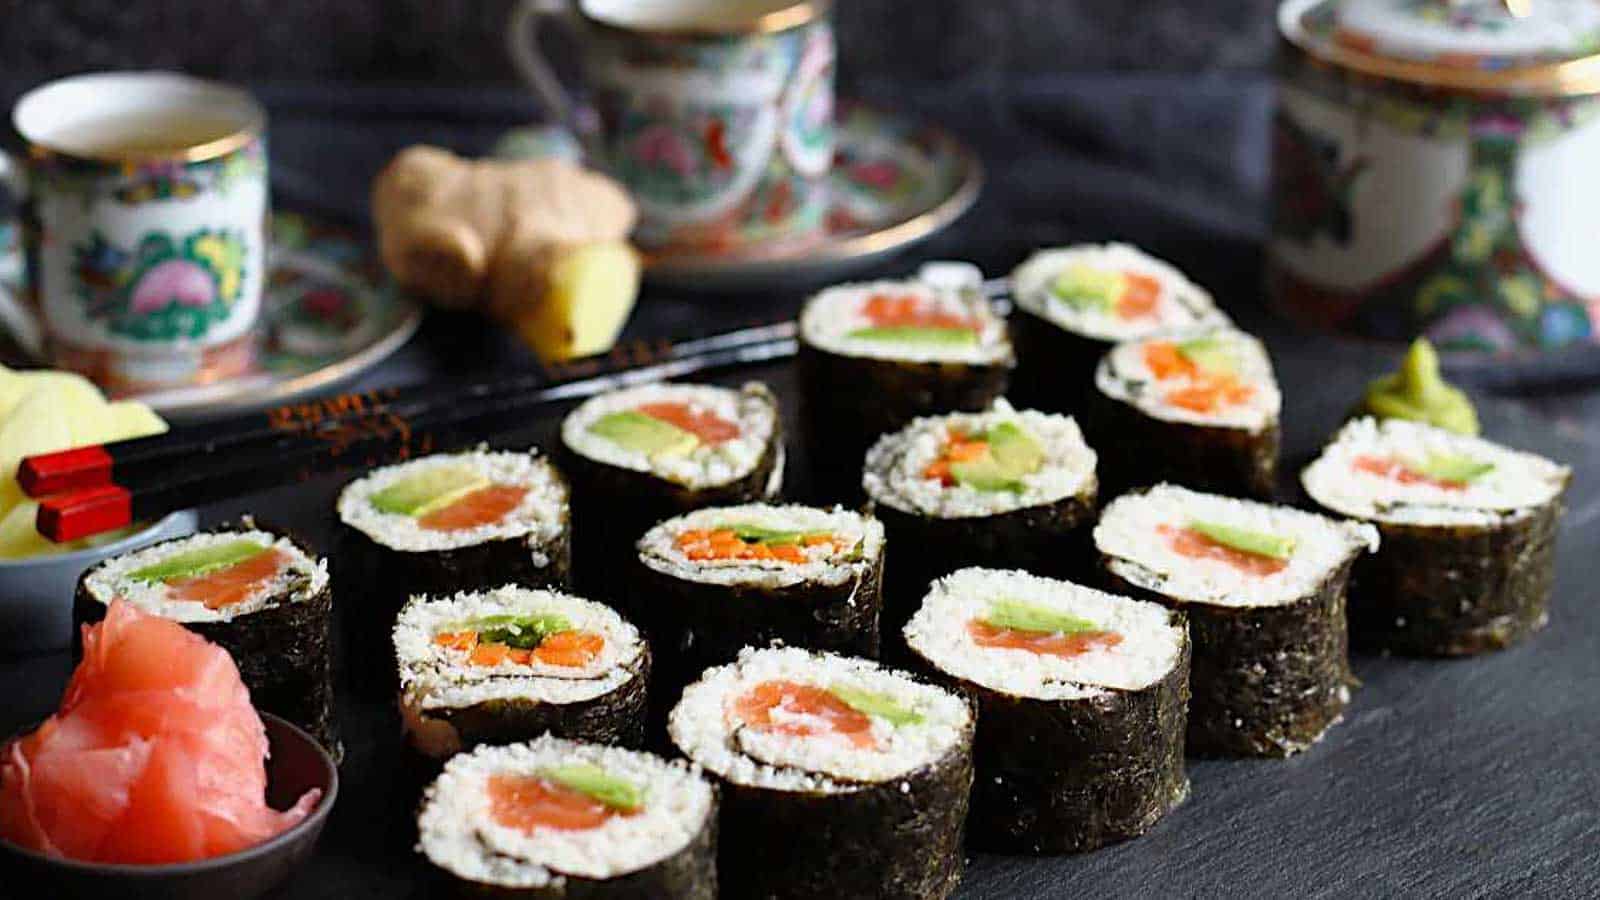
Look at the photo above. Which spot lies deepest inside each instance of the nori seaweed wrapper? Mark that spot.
(847, 402)
(894, 839)
(1264, 680)
(1068, 776)
(689, 874)
(1055, 366)
(1050, 539)
(284, 652)
(1441, 590)
(617, 717)
(1137, 449)
(694, 626)
(613, 507)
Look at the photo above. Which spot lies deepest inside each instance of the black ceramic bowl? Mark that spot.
(296, 765)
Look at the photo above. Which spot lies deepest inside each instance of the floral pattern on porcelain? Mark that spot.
(165, 289)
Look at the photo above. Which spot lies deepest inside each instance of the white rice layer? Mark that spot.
(1128, 535)
(541, 516)
(299, 579)
(893, 474)
(1182, 305)
(1149, 647)
(1123, 375)
(458, 831)
(830, 316)
(1518, 484)
(433, 667)
(859, 544)
(752, 408)
(706, 728)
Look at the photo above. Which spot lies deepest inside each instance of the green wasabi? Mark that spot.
(1419, 393)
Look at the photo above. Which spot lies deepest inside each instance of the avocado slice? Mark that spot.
(917, 334)
(597, 784)
(429, 489)
(986, 473)
(1212, 355)
(200, 561)
(1019, 615)
(1088, 288)
(1244, 540)
(1453, 468)
(1014, 448)
(524, 632)
(644, 434)
(755, 534)
(875, 704)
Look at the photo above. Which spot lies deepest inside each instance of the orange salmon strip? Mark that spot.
(570, 648)
(485, 506)
(1165, 360)
(1140, 297)
(1395, 470)
(234, 584)
(959, 447)
(1193, 544)
(886, 311)
(527, 803)
(1065, 646)
(722, 543)
(825, 713)
(709, 427)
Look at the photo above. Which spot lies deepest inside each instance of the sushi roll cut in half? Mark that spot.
(717, 580)
(1081, 698)
(1468, 528)
(1075, 302)
(998, 488)
(257, 594)
(839, 778)
(1200, 410)
(511, 663)
(875, 355)
(1264, 589)
(642, 454)
(554, 819)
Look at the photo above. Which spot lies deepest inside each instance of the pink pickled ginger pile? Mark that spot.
(156, 756)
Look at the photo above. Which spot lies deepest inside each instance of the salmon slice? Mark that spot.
(1165, 361)
(570, 648)
(1210, 393)
(528, 803)
(701, 544)
(911, 311)
(804, 710)
(234, 584)
(1048, 643)
(1141, 294)
(709, 427)
(485, 506)
(958, 447)
(1193, 544)
(1395, 470)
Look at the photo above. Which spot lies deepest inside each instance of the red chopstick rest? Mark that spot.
(65, 470)
(67, 517)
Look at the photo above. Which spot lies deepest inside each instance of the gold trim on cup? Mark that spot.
(1571, 78)
(792, 16)
(200, 152)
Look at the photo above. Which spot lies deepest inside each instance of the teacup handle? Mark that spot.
(15, 318)
(522, 41)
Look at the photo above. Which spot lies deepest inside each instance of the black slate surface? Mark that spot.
(1469, 778)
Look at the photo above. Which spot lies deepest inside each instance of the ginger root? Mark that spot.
(539, 244)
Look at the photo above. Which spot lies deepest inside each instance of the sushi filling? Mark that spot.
(695, 435)
(528, 814)
(1213, 378)
(1212, 549)
(909, 321)
(457, 500)
(977, 464)
(1111, 292)
(769, 544)
(1405, 472)
(211, 577)
(791, 719)
(1027, 636)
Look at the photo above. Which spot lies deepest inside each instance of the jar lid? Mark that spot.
(1539, 47)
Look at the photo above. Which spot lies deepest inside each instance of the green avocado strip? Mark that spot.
(1085, 287)
(199, 561)
(522, 632)
(916, 334)
(1256, 543)
(874, 704)
(1018, 615)
(1211, 354)
(644, 434)
(1453, 468)
(755, 534)
(431, 488)
(597, 784)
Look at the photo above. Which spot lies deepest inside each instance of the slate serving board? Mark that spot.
(1467, 778)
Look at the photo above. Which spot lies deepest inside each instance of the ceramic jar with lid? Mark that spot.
(1437, 171)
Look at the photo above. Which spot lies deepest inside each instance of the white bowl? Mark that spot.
(36, 594)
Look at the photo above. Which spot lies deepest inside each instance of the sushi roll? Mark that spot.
(717, 580)
(998, 488)
(1264, 591)
(643, 454)
(1075, 302)
(1468, 529)
(875, 355)
(839, 778)
(512, 663)
(1200, 410)
(553, 818)
(254, 592)
(1081, 702)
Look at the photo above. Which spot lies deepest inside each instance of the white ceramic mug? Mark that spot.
(144, 221)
